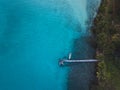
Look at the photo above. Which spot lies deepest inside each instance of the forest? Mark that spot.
(106, 32)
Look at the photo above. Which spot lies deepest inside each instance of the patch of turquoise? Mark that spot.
(34, 35)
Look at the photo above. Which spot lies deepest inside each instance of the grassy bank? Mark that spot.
(106, 31)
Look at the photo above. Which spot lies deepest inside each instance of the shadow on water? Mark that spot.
(81, 75)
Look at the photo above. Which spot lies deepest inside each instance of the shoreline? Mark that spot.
(82, 76)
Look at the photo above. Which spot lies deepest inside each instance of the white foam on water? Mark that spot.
(79, 12)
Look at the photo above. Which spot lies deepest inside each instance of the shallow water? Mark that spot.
(34, 35)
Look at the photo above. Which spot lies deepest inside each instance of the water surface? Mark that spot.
(34, 34)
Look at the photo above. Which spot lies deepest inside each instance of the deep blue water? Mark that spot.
(34, 34)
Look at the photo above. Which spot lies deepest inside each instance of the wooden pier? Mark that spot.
(62, 62)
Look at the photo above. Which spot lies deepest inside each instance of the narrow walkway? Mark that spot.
(75, 61)
(62, 62)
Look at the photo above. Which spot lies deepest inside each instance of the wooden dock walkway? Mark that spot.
(62, 62)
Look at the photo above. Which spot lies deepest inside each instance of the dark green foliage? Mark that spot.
(106, 30)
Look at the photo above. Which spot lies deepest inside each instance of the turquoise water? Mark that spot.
(34, 34)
